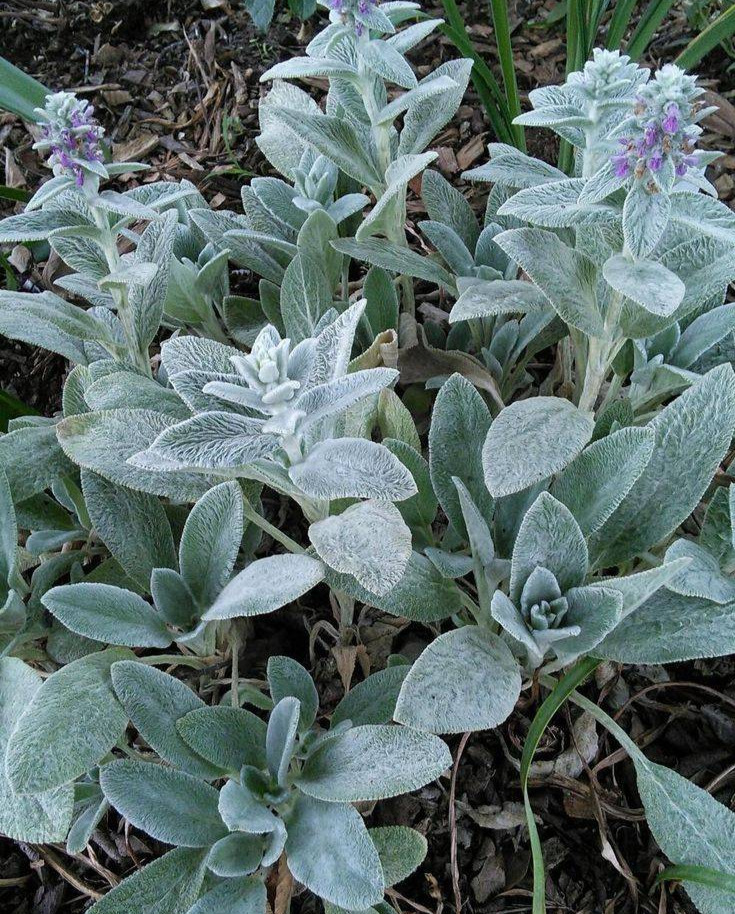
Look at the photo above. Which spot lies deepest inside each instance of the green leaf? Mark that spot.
(531, 440)
(459, 424)
(372, 763)
(305, 296)
(330, 852)
(396, 259)
(227, 737)
(133, 525)
(420, 509)
(692, 436)
(211, 540)
(72, 722)
(549, 536)
(280, 738)
(382, 301)
(595, 482)
(168, 885)
(645, 282)
(466, 679)
(401, 850)
(237, 854)
(168, 805)
(287, 678)
(373, 700)
(234, 896)
(108, 614)
(154, 701)
(19, 92)
(266, 585)
(43, 817)
(645, 217)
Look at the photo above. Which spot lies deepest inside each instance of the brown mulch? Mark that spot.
(175, 84)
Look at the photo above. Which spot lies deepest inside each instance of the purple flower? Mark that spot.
(670, 123)
(650, 134)
(621, 165)
(655, 162)
(680, 170)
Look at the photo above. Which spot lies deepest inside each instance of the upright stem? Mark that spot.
(278, 535)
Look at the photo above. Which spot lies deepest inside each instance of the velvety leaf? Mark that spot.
(401, 850)
(286, 677)
(227, 737)
(373, 700)
(645, 282)
(234, 896)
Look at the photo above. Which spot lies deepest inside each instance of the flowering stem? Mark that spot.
(267, 527)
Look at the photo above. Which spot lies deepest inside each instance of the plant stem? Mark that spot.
(278, 535)
(235, 678)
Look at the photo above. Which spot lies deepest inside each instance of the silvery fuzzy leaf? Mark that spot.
(347, 206)
(513, 168)
(50, 189)
(168, 885)
(602, 183)
(400, 171)
(369, 541)
(372, 763)
(8, 537)
(314, 240)
(72, 722)
(396, 259)
(566, 277)
(154, 701)
(214, 223)
(702, 577)
(263, 221)
(108, 614)
(225, 736)
(126, 389)
(557, 205)
(241, 810)
(690, 826)
(278, 198)
(266, 585)
(233, 896)
(32, 460)
(509, 618)
(478, 532)
(287, 678)
(280, 145)
(423, 594)
(596, 610)
(81, 253)
(450, 246)
(43, 319)
(240, 240)
(211, 540)
(305, 296)
(402, 850)
(330, 852)
(645, 217)
(193, 353)
(214, 440)
(699, 214)
(595, 482)
(237, 854)
(389, 63)
(336, 396)
(408, 38)
(346, 144)
(692, 436)
(121, 204)
(532, 439)
(104, 442)
(637, 588)
(280, 738)
(465, 680)
(670, 627)
(498, 296)
(459, 423)
(352, 468)
(251, 255)
(702, 334)
(168, 805)
(82, 286)
(426, 118)
(373, 700)
(382, 308)
(395, 420)
(331, 351)
(300, 67)
(41, 817)
(716, 534)
(553, 116)
(549, 537)
(444, 203)
(162, 195)
(645, 282)
(38, 226)
(388, 113)
(450, 565)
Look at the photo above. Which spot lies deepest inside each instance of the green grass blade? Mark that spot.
(702, 875)
(14, 193)
(19, 92)
(501, 24)
(619, 22)
(559, 694)
(653, 16)
(11, 407)
(719, 30)
(576, 56)
(596, 12)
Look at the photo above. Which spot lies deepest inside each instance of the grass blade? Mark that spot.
(501, 24)
(19, 92)
(719, 30)
(559, 694)
(576, 56)
(11, 407)
(702, 875)
(619, 22)
(653, 16)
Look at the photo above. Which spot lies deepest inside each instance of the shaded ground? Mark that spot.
(176, 84)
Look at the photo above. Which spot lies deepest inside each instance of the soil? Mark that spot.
(176, 84)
